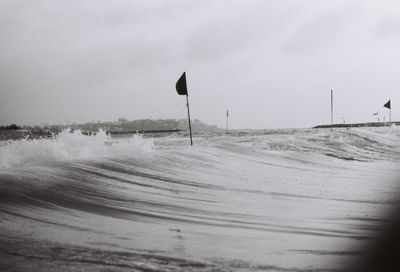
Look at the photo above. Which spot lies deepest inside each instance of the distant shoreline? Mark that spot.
(368, 124)
(18, 134)
(120, 127)
(37, 133)
(136, 131)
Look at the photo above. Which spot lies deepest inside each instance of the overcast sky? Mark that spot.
(271, 63)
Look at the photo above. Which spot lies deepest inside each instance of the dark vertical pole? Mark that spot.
(331, 107)
(190, 127)
(227, 116)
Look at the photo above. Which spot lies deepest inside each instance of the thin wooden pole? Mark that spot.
(227, 116)
(190, 127)
(331, 107)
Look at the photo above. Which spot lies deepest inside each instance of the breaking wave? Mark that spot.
(68, 146)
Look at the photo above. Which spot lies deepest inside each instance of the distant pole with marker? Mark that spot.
(377, 115)
(227, 117)
(181, 88)
(387, 105)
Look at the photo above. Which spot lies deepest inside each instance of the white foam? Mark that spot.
(69, 146)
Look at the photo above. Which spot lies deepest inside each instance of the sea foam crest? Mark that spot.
(69, 146)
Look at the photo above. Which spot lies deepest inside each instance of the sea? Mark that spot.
(249, 200)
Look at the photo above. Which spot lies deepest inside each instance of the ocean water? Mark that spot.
(259, 200)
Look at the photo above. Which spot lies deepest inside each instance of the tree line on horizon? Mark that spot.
(10, 127)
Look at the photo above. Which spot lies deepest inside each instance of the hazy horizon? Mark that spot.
(272, 64)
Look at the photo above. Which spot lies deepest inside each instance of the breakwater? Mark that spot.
(368, 124)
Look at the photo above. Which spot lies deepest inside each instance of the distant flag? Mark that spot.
(376, 114)
(387, 105)
(181, 86)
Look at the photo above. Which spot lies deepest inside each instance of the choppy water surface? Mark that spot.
(277, 200)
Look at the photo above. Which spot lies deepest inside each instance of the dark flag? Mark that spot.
(387, 105)
(181, 87)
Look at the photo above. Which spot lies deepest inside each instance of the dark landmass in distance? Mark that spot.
(370, 124)
(120, 127)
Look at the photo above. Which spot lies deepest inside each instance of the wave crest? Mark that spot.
(68, 146)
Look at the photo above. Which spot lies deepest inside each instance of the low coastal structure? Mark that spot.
(130, 132)
(369, 124)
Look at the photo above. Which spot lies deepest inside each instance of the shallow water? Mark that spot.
(274, 200)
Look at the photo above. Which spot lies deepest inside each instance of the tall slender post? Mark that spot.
(331, 107)
(227, 117)
(190, 127)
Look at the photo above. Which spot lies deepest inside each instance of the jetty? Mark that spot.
(365, 124)
(369, 124)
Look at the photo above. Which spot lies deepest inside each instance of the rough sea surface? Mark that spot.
(273, 200)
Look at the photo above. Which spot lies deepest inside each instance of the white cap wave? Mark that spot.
(69, 146)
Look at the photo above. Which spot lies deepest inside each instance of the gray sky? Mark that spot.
(271, 63)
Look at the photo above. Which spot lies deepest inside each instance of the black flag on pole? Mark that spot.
(181, 87)
(387, 105)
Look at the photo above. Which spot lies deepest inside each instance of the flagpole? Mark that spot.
(331, 107)
(190, 127)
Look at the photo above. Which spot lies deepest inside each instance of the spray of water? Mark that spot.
(69, 146)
